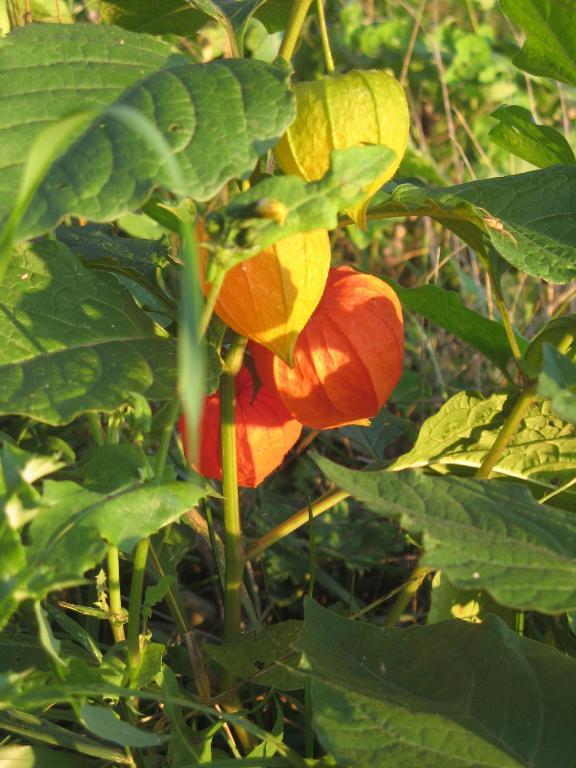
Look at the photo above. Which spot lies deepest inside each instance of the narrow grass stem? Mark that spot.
(409, 590)
(136, 591)
(328, 59)
(300, 518)
(295, 22)
(233, 551)
(114, 595)
(505, 316)
(209, 304)
(164, 446)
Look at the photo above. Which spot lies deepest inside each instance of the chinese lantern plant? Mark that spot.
(336, 112)
(265, 432)
(348, 358)
(270, 297)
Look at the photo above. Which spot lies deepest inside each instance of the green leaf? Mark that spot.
(266, 658)
(308, 206)
(485, 534)
(530, 218)
(74, 340)
(550, 28)
(451, 695)
(384, 429)
(41, 729)
(16, 756)
(446, 309)
(70, 515)
(133, 257)
(155, 17)
(540, 145)
(558, 383)
(215, 118)
(103, 723)
(150, 664)
(180, 17)
(543, 449)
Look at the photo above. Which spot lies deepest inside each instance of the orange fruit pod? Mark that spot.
(270, 297)
(348, 358)
(336, 112)
(265, 432)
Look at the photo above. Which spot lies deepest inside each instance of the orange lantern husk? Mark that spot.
(348, 358)
(270, 297)
(265, 432)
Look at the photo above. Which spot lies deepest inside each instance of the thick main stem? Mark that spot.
(114, 595)
(524, 401)
(233, 551)
(136, 591)
(295, 22)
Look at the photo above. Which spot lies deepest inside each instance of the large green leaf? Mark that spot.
(446, 309)
(540, 145)
(530, 218)
(550, 28)
(74, 340)
(216, 119)
(543, 449)
(304, 206)
(451, 695)
(485, 534)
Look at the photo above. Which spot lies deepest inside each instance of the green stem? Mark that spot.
(165, 439)
(114, 595)
(328, 60)
(504, 316)
(524, 401)
(95, 428)
(409, 590)
(174, 604)
(295, 22)
(233, 552)
(136, 591)
(300, 518)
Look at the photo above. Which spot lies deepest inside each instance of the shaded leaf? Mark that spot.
(74, 340)
(155, 17)
(104, 724)
(450, 695)
(558, 382)
(36, 756)
(216, 119)
(550, 28)
(540, 145)
(446, 309)
(384, 429)
(485, 534)
(266, 658)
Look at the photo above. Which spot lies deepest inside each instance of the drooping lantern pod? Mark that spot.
(348, 358)
(270, 297)
(265, 432)
(336, 112)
